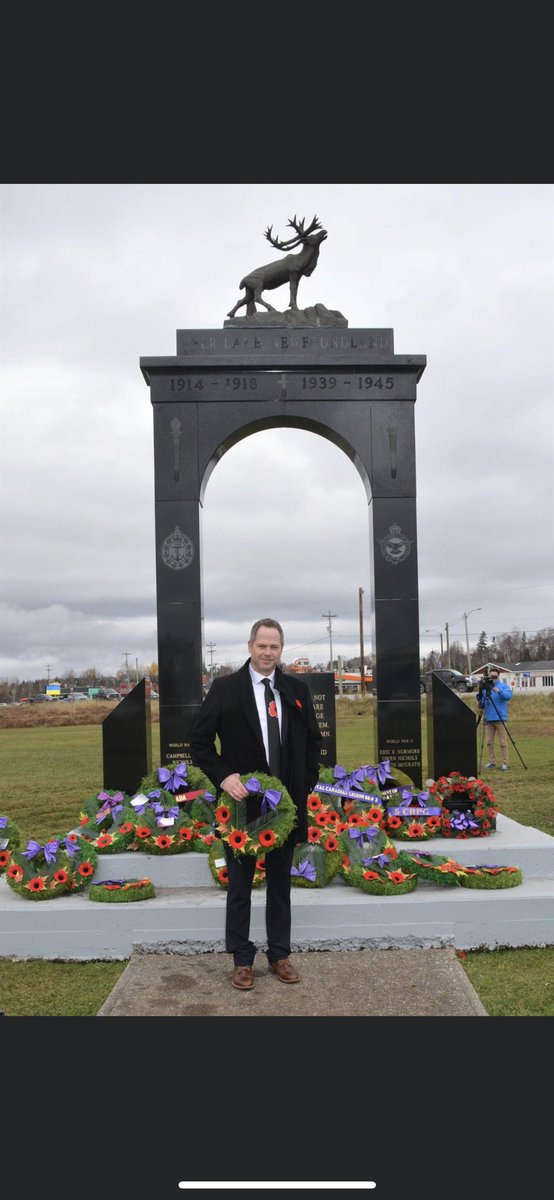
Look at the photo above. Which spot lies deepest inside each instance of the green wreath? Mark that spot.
(491, 877)
(267, 832)
(82, 855)
(162, 827)
(40, 872)
(350, 792)
(184, 782)
(361, 843)
(121, 891)
(315, 864)
(218, 866)
(435, 868)
(412, 816)
(390, 882)
(108, 822)
(10, 840)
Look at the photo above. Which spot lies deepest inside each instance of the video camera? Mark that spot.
(486, 684)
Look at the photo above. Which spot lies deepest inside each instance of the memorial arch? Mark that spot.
(347, 386)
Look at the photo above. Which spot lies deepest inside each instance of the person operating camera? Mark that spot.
(492, 698)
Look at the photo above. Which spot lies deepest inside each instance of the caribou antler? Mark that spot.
(301, 233)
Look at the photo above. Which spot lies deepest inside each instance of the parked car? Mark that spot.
(75, 696)
(110, 694)
(40, 699)
(454, 679)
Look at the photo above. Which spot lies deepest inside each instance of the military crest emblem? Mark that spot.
(177, 550)
(395, 547)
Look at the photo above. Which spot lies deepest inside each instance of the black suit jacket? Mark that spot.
(229, 712)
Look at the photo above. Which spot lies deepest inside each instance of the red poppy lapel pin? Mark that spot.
(298, 703)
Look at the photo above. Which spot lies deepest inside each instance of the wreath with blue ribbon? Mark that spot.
(269, 830)
(412, 816)
(43, 871)
(354, 791)
(122, 891)
(108, 822)
(10, 840)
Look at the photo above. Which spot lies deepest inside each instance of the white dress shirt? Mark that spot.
(259, 696)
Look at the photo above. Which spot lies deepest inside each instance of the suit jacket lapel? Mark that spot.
(250, 707)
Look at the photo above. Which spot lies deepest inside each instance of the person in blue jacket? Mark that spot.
(493, 698)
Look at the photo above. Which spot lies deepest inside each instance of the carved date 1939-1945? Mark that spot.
(247, 382)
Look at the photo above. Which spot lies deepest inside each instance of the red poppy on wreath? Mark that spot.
(341, 826)
(208, 838)
(415, 831)
(37, 884)
(4, 858)
(298, 704)
(223, 875)
(61, 876)
(394, 822)
(266, 838)
(314, 802)
(345, 864)
(104, 840)
(86, 869)
(72, 837)
(356, 820)
(163, 842)
(185, 833)
(142, 831)
(237, 839)
(126, 827)
(222, 814)
(260, 864)
(370, 875)
(15, 872)
(322, 819)
(314, 833)
(334, 817)
(433, 822)
(374, 814)
(331, 843)
(398, 876)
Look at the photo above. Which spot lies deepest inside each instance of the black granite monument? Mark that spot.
(321, 685)
(302, 369)
(451, 732)
(127, 741)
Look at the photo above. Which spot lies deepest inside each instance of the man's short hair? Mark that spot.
(272, 625)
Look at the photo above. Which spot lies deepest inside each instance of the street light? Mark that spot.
(465, 616)
(439, 631)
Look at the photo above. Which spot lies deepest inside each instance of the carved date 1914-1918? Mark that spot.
(305, 383)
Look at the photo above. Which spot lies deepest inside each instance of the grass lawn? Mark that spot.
(49, 769)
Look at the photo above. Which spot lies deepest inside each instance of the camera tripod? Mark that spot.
(488, 689)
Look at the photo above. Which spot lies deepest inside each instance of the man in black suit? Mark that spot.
(235, 710)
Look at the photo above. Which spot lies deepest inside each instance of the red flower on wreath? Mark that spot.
(416, 831)
(314, 802)
(375, 814)
(394, 822)
(104, 840)
(126, 827)
(237, 839)
(345, 864)
(164, 841)
(72, 837)
(322, 819)
(61, 876)
(185, 833)
(86, 869)
(398, 876)
(37, 884)
(314, 833)
(370, 874)
(223, 875)
(4, 858)
(15, 872)
(222, 814)
(142, 831)
(356, 820)
(331, 843)
(433, 822)
(333, 817)
(260, 864)
(266, 838)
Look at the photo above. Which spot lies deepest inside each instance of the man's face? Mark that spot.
(494, 677)
(265, 650)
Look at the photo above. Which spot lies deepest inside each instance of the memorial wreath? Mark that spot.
(412, 815)
(108, 822)
(218, 866)
(267, 831)
(314, 864)
(121, 891)
(487, 876)
(469, 808)
(10, 840)
(435, 868)
(46, 870)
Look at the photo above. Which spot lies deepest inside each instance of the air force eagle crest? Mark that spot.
(177, 550)
(395, 547)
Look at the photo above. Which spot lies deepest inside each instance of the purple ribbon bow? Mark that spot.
(462, 821)
(34, 848)
(70, 847)
(159, 811)
(3, 822)
(380, 772)
(110, 808)
(117, 798)
(407, 800)
(350, 779)
(305, 870)
(270, 799)
(358, 834)
(253, 785)
(381, 860)
(173, 780)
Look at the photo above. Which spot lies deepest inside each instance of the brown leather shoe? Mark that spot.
(284, 971)
(243, 978)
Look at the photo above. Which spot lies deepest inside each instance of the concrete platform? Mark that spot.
(400, 983)
(187, 915)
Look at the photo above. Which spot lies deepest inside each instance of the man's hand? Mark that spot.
(234, 787)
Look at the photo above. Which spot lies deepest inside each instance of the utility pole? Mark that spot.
(48, 671)
(447, 647)
(125, 654)
(330, 616)
(362, 668)
(465, 616)
(211, 648)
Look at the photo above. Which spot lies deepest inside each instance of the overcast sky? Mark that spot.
(94, 277)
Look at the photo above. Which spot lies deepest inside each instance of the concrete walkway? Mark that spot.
(349, 983)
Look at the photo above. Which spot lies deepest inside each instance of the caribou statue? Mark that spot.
(283, 270)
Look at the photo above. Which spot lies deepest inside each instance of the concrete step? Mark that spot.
(187, 914)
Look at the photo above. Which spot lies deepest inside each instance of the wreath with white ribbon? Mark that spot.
(266, 832)
(163, 827)
(108, 822)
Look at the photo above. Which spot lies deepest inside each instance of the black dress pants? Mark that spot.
(277, 910)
